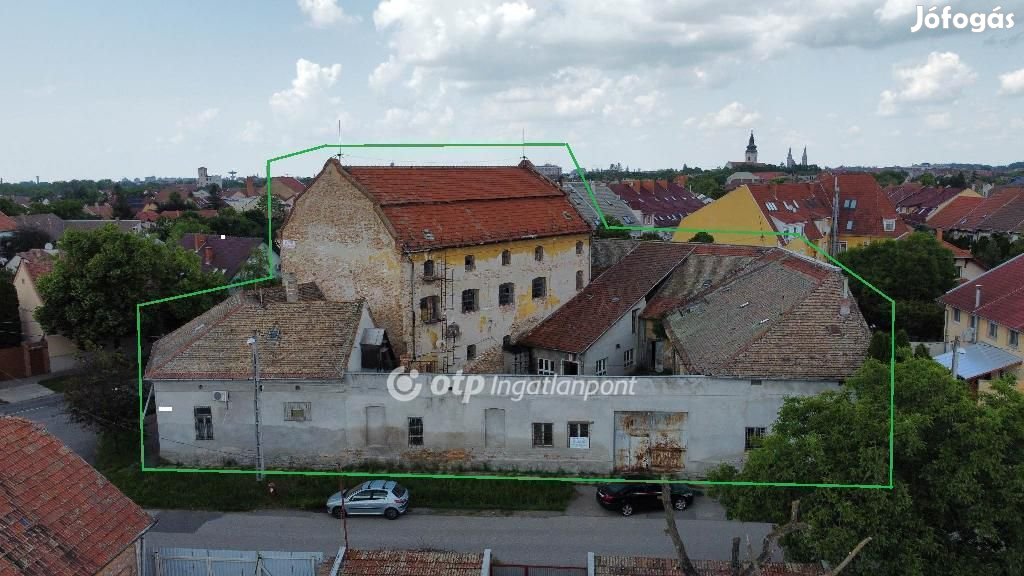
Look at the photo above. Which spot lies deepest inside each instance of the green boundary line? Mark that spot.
(604, 223)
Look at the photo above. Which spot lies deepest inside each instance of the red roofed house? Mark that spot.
(7, 224)
(1002, 212)
(453, 261)
(967, 266)
(228, 255)
(33, 265)
(866, 214)
(59, 516)
(284, 188)
(987, 316)
(951, 214)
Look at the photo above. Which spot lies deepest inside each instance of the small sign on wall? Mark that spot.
(579, 443)
(288, 243)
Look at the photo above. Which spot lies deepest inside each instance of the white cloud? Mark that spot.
(192, 124)
(939, 121)
(896, 9)
(323, 13)
(854, 130)
(311, 80)
(732, 115)
(942, 77)
(385, 73)
(1012, 83)
(252, 132)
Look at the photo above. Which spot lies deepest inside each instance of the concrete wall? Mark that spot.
(341, 432)
(124, 564)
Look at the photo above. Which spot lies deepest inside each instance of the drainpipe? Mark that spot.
(412, 304)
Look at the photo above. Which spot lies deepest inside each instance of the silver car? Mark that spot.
(374, 498)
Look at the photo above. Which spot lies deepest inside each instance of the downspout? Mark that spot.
(412, 304)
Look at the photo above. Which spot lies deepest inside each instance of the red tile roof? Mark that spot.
(37, 263)
(916, 205)
(284, 187)
(872, 206)
(104, 211)
(582, 320)
(639, 566)
(795, 203)
(410, 563)
(58, 516)
(667, 202)
(7, 224)
(1003, 211)
(953, 213)
(1002, 295)
(434, 207)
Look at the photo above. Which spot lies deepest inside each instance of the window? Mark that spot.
(752, 437)
(579, 279)
(601, 367)
(470, 262)
(297, 411)
(579, 435)
(471, 352)
(204, 422)
(1014, 339)
(469, 300)
(755, 382)
(850, 203)
(506, 294)
(416, 431)
(627, 358)
(633, 317)
(428, 269)
(542, 434)
(888, 224)
(506, 258)
(974, 321)
(579, 247)
(849, 224)
(956, 315)
(959, 271)
(993, 330)
(430, 309)
(540, 287)
(538, 253)
(545, 366)
(842, 247)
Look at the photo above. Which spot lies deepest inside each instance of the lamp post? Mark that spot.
(254, 342)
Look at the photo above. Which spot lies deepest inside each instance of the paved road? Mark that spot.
(49, 411)
(551, 540)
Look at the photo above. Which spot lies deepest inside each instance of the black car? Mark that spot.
(629, 498)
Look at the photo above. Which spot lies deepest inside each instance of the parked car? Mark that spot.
(373, 498)
(629, 498)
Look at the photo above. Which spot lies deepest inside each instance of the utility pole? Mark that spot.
(254, 342)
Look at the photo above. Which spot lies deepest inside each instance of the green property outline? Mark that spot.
(604, 223)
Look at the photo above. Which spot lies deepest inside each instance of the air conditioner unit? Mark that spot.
(220, 395)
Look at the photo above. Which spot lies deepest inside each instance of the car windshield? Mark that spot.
(615, 488)
(398, 491)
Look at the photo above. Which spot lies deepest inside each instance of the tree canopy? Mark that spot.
(957, 502)
(10, 319)
(90, 295)
(887, 266)
(702, 237)
(23, 240)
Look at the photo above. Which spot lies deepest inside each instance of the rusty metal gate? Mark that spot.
(650, 441)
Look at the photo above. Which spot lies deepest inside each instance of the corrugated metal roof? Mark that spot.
(203, 562)
(978, 360)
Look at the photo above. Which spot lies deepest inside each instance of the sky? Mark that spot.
(136, 88)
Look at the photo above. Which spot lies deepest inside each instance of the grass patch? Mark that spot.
(117, 460)
(59, 383)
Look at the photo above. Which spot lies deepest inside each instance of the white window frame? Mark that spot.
(601, 367)
(545, 366)
(577, 430)
(546, 428)
(889, 224)
(627, 358)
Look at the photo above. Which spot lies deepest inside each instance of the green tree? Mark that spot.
(887, 266)
(880, 347)
(956, 506)
(216, 201)
(703, 238)
(64, 209)
(10, 319)
(8, 207)
(121, 208)
(105, 393)
(607, 232)
(927, 179)
(23, 240)
(259, 213)
(890, 177)
(255, 267)
(90, 295)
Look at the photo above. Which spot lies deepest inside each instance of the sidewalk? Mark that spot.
(21, 389)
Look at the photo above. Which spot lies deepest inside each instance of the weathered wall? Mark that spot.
(340, 432)
(335, 237)
(124, 564)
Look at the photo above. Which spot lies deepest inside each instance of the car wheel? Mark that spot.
(336, 511)
(391, 513)
(627, 509)
(679, 504)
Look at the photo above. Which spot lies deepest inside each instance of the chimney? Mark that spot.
(207, 255)
(197, 241)
(938, 234)
(844, 302)
(291, 288)
(977, 296)
(250, 188)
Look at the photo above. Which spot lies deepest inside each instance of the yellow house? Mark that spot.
(737, 210)
(985, 317)
(35, 264)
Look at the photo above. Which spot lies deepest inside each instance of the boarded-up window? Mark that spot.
(494, 428)
(430, 309)
(375, 429)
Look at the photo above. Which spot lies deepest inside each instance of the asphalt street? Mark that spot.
(49, 411)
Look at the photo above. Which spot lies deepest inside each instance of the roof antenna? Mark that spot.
(524, 143)
(339, 154)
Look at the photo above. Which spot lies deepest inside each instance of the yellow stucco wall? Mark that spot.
(62, 351)
(1001, 341)
(737, 210)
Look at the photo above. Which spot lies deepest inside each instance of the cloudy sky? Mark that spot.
(135, 88)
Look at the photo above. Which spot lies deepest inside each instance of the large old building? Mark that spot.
(454, 262)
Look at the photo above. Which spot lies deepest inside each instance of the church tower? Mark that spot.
(803, 161)
(789, 159)
(751, 156)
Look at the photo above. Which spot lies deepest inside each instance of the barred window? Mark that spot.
(752, 437)
(416, 431)
(297, 411)
(204, 422)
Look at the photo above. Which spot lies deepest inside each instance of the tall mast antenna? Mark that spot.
(340, 155)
